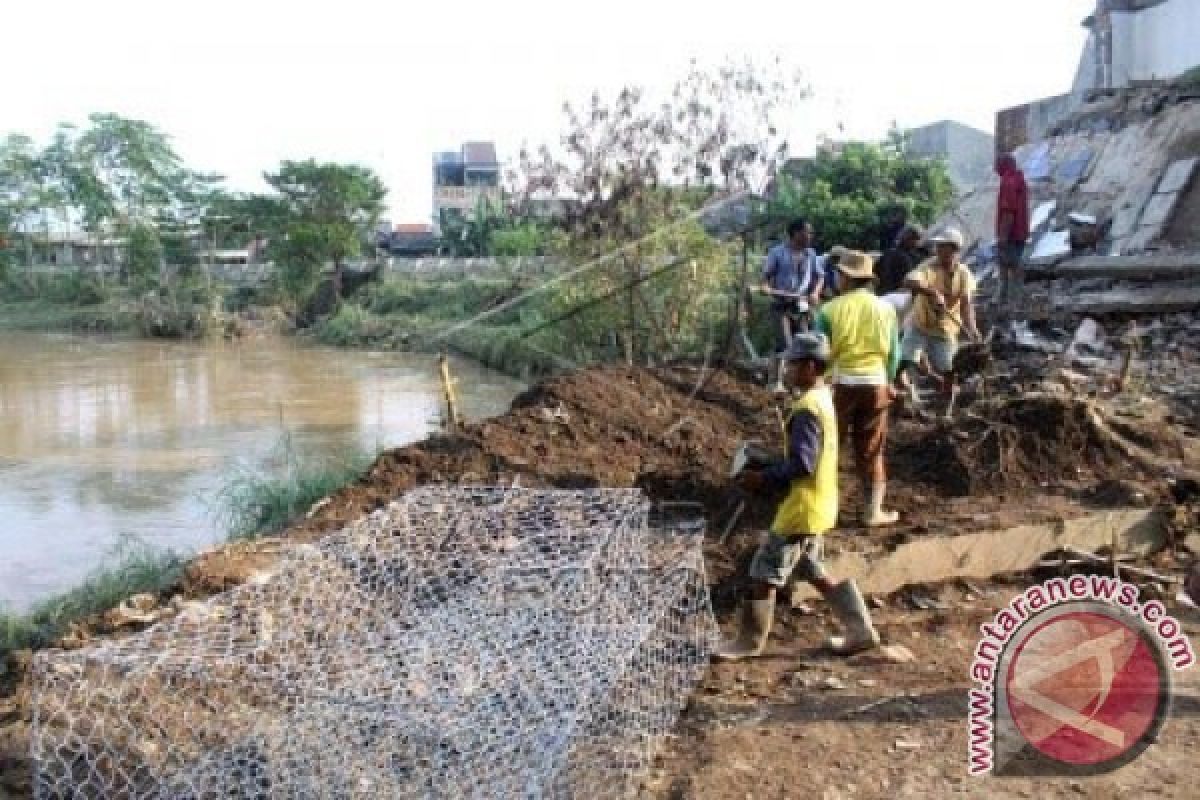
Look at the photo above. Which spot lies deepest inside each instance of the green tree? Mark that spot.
(846, 190)
(144, 255)
(330, 207)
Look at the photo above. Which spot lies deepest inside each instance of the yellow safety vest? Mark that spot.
(862, 328)
(811, 505)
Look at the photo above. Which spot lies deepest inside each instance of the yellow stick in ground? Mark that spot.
(453, 418)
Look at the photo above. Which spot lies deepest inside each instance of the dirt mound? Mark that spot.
(1032, 442)
(670, 431)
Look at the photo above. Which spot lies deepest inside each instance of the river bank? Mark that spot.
(671, 432)
(106, 437)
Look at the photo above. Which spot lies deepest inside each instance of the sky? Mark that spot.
(242, 84)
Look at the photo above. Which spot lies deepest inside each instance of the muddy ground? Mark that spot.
(796, 723)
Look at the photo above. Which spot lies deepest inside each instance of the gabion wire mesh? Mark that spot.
(459, 643)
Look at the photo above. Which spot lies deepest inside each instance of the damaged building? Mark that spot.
(1111, 168)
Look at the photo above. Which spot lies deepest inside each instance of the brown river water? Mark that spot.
(111, 441)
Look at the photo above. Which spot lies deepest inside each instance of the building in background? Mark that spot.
(1132, 41)
(464, 178)
(411, 240)
(969, 153)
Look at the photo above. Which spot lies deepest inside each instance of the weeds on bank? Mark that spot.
(135, 568)
(256, 501)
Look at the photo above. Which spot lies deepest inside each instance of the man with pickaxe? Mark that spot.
(943, 292)
(792, 278)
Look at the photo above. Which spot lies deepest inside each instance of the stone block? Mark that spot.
(1178, 175)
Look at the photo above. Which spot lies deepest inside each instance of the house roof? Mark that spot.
(480, 154)
(413, 227)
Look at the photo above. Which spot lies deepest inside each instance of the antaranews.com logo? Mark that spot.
(1073, 678)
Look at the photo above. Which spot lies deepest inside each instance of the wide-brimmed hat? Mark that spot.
(812, 346)
(856, 265)
(952, 236)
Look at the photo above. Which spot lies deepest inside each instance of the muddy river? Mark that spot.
(106, 442)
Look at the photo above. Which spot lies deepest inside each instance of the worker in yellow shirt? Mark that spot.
(793, 548)
(865, 343)
(943, 292)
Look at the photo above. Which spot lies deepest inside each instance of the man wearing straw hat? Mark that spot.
(943, 289)
(865, 344)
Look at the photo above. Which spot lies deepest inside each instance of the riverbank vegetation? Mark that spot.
(133, 569)
(255, 501)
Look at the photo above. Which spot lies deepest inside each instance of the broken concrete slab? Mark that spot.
(1041, 214)
(1178, 175)
(1159, 210)
(1139, 532)
(1158, 300)
(1054, 244)
(1143, 267)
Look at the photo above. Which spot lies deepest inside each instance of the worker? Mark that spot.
(943, 306)
(792, 278)
(865, 343)
(899, 261)
(1012, 232)
(793, 547)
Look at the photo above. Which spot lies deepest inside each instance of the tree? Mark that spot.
(633, 174)
(331, 208)
(846, 190)
(144, 255)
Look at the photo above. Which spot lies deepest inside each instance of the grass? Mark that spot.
(135, 569)
(257, 502)
(253, 503)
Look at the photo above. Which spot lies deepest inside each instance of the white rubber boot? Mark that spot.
(757, 617)
(875, 516)
(851, 611)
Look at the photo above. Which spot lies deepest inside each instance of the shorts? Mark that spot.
(863, 411)
(1010, 254)
(939, 351)
(781, 558)
(797, 322)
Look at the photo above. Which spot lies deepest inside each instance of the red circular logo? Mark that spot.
(1086, 688)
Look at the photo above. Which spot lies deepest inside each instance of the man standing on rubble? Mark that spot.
(943, 292)
(792, 277)
(1012, 231)
(865, 343)
(793, 549)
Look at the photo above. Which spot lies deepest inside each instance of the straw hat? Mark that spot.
(856, 265)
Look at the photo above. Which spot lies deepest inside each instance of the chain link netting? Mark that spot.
(459, 643)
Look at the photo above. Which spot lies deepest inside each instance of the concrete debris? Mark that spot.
(937, 559)
(1161, 300)
(1041, 215)
(1053, 244)
(897, 654)
(1145, 267)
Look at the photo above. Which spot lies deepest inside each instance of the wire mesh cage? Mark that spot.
(458, 643)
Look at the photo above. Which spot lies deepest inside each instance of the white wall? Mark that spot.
(1159, 42)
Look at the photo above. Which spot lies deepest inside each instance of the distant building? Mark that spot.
(1131, 41)
(461, 179)
(969, 153)
(412, 240)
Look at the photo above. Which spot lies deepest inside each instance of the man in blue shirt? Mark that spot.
(793, 278)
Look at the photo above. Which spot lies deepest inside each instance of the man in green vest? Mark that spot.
(792, 549)
(865, 347)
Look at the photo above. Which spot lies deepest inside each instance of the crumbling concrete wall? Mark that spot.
(1115, 166)
(1161, 42)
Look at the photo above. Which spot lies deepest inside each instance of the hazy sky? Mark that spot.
(242, 85)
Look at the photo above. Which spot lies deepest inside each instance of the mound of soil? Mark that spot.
(670, 431)
(1031, 442)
